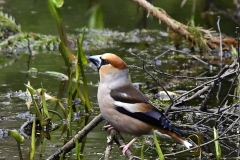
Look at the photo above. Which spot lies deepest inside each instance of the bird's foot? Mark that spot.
(108, 127)
(125, 148)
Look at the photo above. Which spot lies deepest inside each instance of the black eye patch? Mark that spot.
(104, 62)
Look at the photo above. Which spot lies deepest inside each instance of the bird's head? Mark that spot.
(108, 64)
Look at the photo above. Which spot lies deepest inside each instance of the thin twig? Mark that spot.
(220, 37)
(144, 68)
(230, 127)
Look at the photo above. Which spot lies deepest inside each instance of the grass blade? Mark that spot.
(44, 104)
(142, 155)
(82, 61)
(38, 112)
(33, 140)
(217, 145)
(159, 151)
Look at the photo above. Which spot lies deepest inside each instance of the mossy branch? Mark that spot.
(194, 35)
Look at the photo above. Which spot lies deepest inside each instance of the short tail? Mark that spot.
(171, 134)
(186, 144)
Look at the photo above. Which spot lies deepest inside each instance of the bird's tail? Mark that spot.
(171, 134)
(186, 143)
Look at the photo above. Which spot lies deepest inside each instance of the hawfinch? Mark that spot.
(124, 107)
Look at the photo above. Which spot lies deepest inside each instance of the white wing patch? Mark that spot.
(128, 106)
(161, 134)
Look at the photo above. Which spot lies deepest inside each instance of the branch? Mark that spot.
(116, 136)
(174, 25)
(113, 135)
(194, 35)
(165, 18)
(220, 137)
(78, 137)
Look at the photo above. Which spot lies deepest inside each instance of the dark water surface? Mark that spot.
(119, 16)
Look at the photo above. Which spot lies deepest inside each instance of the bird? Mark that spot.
(126, 108)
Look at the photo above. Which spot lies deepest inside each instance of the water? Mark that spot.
(121, 36)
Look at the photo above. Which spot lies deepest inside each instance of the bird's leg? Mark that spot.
(126, 147)
(108, 127)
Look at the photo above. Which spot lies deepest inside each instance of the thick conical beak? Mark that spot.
(96, 60)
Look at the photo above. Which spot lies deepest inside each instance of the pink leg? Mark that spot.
(126, 147)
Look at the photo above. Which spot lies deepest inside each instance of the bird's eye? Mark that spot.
(104, 62)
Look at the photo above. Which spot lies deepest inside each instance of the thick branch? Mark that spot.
(165, 18)
(78, 137)
(194, 35)
(81, 134)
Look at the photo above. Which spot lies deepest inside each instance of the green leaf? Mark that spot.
(96, 17)
(63, 51)
(30, 89)
(58, 3)
(63, 109)
(32, 92)
(81, 56)
(77, 150)
(44, 104)
(33, 140)
(16, 135)
(234, 51)
(59, 75)
(142, 155)
(159, 151)
(81, 62)
(217, 145)
(47, 96)
(54, 11)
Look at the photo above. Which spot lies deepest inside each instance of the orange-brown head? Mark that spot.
(108, 64)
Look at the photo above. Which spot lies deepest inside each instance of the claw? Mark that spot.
(126, 147)
(108, 127)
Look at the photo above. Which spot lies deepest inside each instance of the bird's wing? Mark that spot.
(130, 101)
(128, 94)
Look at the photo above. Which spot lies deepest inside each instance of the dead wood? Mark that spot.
(196, 36)
(78, 137)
